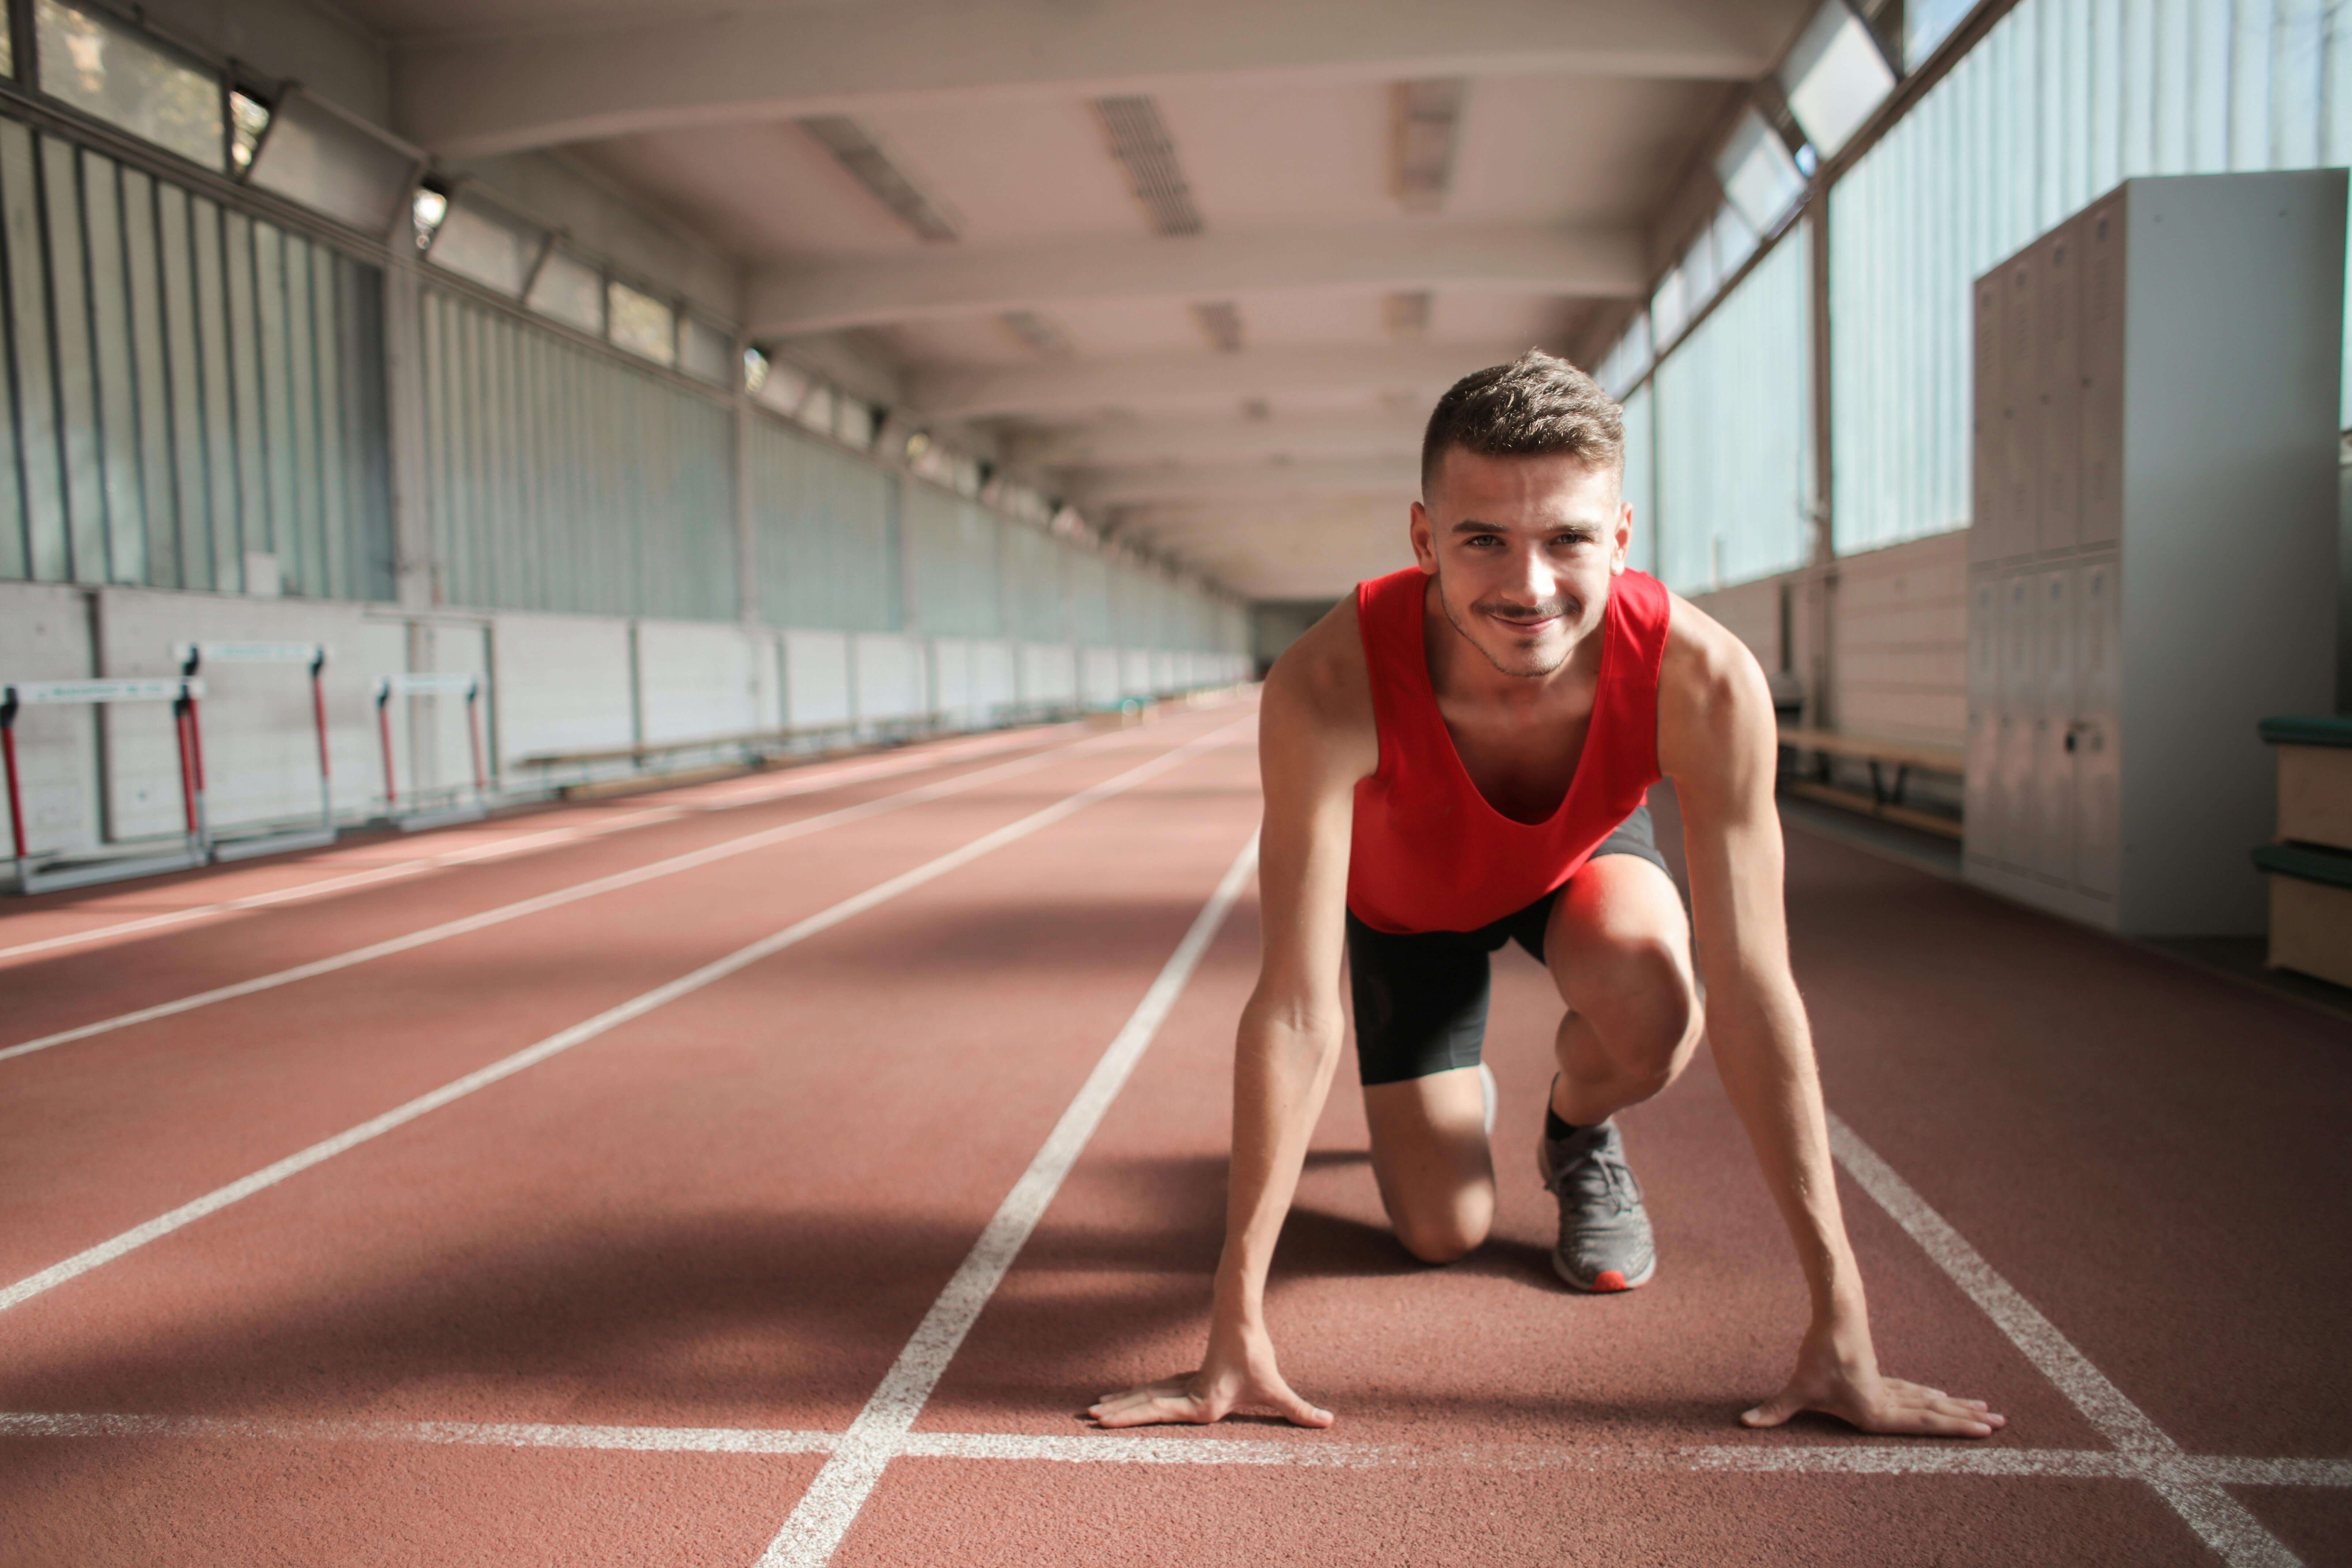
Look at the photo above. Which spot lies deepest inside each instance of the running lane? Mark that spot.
(728, 1214)
(349, 896)
(1485, 1413)
(208, 1095)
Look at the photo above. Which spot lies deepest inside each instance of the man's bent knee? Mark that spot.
(1442, 1238)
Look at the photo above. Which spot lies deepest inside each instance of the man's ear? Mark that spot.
(1424, 538)
(1623, 541)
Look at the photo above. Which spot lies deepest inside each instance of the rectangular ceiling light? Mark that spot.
(1038, 335)
(315, 154)
(1422, 118)
(1405, 314)
(862, 157)
(1139, 141)
(1760, 174)
(1835, 76)
(1220, 323)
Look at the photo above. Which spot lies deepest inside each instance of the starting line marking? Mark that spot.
(880, 1432)
(2223, 1522)
(1153, 1449)
(269, 1176)
(709, 854)
(693, 799)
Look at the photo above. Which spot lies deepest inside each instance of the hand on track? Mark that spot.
(1244, 1378)
(1848, 1386)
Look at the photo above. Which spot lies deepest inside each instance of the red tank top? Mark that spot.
(1430, 853)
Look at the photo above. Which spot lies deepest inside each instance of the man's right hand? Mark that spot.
(1239, 1375)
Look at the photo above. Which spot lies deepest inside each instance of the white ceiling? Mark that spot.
(1282, 467)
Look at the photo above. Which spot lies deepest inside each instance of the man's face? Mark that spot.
(1522, 549)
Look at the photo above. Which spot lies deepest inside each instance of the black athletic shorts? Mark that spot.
(1421, 998)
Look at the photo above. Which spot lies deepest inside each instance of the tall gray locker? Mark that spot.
(2153, 559)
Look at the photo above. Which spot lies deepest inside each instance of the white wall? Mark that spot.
(1099, 684)
(695, 678)
(1049, 673)
(816, 678)
(891, 676)
(560, 683)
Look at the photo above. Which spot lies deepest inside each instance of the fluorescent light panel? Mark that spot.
(1138, 138)
(1424, 117)
(858, 153)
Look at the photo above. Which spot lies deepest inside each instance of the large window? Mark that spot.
(1734, 420)
(197, 398)
(2063, 100)
(558, 478)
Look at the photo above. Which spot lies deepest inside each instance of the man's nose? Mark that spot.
(1532, 584)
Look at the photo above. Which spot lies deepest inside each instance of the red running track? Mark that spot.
(694, 1286)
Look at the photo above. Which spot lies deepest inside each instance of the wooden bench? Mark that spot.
(751, 749)
(1881, 755)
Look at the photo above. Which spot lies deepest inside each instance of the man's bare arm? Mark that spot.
(1316, 739)
(1717, 741)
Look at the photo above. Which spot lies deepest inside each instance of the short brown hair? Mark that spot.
(1535, 406)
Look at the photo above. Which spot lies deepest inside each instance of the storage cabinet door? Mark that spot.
(2020, 379)
(1979, 812)
(2053, 726)
(2101, 230)
(2058, 265)
(2098, 730)
(1987, 449)
(2012, 838)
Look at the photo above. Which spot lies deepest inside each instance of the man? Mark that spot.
(1458, 756)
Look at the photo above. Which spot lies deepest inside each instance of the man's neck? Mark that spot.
(1463, 676)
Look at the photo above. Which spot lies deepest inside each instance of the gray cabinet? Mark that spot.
(2153, 560)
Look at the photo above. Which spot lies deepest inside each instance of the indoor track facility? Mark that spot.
(632, 635)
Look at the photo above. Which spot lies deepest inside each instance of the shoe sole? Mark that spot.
(1609, 1281)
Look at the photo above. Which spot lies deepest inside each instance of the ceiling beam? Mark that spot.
(1375, 433)
(1176, 380)
(477, 93)
(782, 301)
(1397, 478)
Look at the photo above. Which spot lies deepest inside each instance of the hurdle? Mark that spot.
(469, 687)
(38, 873)
(193, 657)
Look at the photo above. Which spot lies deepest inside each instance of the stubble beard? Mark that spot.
(1521, 672)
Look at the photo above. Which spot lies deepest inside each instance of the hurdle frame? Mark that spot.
(182, 692)
(469, 685)
(191, 657)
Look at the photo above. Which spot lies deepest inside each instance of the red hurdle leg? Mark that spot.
(383, 728)
(16, 798)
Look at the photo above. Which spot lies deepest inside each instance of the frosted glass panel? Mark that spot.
(105, 69)
(569, 290)
(315, 156)
(485, 246)
(642, 324)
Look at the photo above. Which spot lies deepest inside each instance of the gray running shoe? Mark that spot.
(1604, 1232)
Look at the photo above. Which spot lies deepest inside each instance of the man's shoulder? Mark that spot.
(1710, 686)
(1320, 690)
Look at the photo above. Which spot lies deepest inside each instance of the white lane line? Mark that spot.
(723, 850)
(799, 931)
(468, 1434)
(830, 1506)
(800, 782)
(1157, 1448)
(2221, 1521)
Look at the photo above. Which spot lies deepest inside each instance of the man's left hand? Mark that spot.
(1837, 1374)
